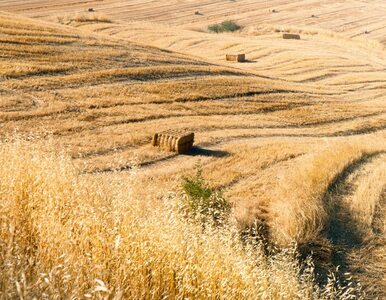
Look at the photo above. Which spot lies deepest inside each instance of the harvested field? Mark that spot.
(349, 18)
(295, 137)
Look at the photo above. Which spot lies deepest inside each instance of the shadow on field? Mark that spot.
(247, 61)
(198, 151)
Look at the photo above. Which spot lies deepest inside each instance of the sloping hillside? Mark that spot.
(353, 18)
(295, 143)
(99, 95)
(333, 62)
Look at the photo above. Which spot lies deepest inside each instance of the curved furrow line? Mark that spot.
(150, 118)
(264, 110)
(77, 109)
(210, 150)
(358, 131)
(336, 68)
(318, 78)
(208, 145)
(54, 83)
(247, 176)
(232, 138)
(130, 166)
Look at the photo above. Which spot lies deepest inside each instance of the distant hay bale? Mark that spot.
(175, 141)
(291, 36)
(235, 57)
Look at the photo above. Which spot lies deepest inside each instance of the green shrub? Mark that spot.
(226, 26)
(230, 26)
(215, 28)
(202, 202)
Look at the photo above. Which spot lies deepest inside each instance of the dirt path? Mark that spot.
(358, 250)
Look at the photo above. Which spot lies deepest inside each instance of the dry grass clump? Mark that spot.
(64, 236)
(305, 212)
(372, 188)
(303, 215)
(84, 18)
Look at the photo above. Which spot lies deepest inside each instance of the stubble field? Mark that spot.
(294, 137)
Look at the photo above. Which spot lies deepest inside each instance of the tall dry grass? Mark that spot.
(371, 189)
(65, 236)
(300, 208)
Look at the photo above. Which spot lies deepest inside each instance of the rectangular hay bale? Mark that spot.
(291, 36)
(180, 142)
(235, 57)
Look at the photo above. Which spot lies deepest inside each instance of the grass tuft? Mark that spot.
(201, 201)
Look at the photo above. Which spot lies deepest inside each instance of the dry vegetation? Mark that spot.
(295, 139)
(83, 18)
(352, 18)
(66, 237)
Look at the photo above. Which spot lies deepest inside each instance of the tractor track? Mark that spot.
(348, 245)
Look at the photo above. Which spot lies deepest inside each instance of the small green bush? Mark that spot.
(230, 26)
(215, 28)
(202, 202)
(226, 26)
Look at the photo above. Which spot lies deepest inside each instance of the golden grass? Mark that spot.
(370, 188)
(284, 135)
(63, 236)
(304, 213)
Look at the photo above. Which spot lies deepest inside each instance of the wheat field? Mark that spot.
(295, 138)
(352, 18)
